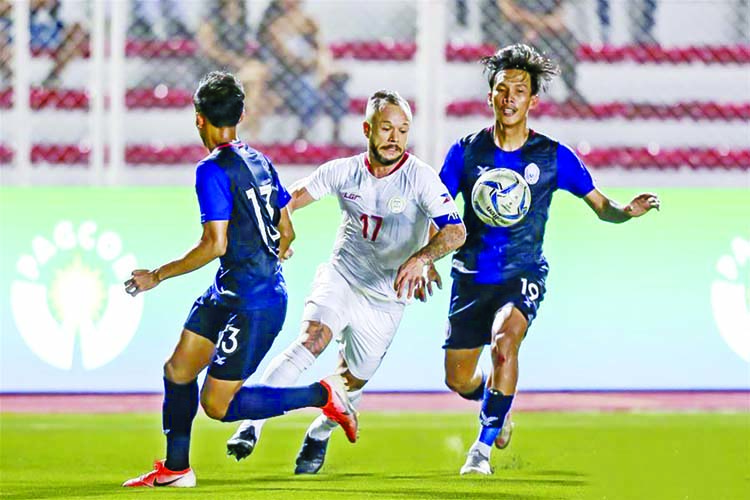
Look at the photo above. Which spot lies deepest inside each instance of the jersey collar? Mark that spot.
(235, 142)
(396, 167)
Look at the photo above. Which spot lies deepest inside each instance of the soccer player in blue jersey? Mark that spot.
(231, 327)
(499, 274)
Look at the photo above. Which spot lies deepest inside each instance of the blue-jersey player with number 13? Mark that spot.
(231, 327)
(499, 273)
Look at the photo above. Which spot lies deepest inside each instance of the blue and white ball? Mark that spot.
(501, 197)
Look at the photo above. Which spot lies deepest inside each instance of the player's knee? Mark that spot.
(505, 346)
(352, 382)
(315, 337)
(177, 374)
(452, 384)
(213, 408)
(457, 382)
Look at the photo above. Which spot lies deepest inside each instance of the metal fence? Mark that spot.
(99, 91)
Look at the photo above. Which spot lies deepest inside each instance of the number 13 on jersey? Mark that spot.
(266, 232)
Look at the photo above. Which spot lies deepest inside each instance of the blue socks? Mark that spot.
(257, 402)
(495, 408)
(178, 411)
(478, 393)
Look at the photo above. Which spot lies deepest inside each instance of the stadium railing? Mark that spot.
(704, 119)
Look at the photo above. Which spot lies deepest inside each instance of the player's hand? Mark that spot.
(410, 277)
(287, 255)
(642, 204)
(141, 280)
(431, 276)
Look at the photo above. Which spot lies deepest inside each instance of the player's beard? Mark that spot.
(382, 160)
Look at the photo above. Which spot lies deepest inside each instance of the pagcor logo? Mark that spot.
(68, 302)
(730, 298)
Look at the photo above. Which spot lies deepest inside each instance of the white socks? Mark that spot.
(322, 427)
(284, 370)
(484, 449)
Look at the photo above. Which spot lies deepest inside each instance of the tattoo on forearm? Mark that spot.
(445, 241)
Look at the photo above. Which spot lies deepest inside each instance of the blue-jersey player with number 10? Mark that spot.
(499, 274)
(231, 327)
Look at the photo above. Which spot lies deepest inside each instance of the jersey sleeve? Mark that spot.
(214, 193)
(572, 174)
(435, 200)
(325, 180)
(284, 197)
(450, 174)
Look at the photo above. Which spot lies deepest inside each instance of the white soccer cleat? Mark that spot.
(476, 463)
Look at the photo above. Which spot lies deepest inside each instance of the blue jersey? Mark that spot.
(497, 254)
(239, 184)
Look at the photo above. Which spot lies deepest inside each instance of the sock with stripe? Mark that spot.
(495, 407)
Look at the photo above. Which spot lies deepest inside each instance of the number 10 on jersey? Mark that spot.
(366, 226)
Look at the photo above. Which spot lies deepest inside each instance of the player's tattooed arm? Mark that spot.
(213, 243)
(410, 276)
(609, 210)
(447, 239)
(431, 275)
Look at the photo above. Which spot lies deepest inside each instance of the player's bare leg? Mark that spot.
(283, 370)
(462, 373)
(217, 394)
(508, 331)
(508, 343)
(312, 455)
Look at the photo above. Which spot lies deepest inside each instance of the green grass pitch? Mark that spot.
(399, 456)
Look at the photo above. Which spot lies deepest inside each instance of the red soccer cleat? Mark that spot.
(161, 476)
(339, 408)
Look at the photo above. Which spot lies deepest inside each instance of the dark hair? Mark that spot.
(220, 98)
(540, 68)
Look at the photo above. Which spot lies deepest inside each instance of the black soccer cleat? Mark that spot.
(243, 442)
(311, 456)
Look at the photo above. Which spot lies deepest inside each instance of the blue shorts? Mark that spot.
(473, 307)
(242, 337)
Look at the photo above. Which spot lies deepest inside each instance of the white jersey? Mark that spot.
(385, 220)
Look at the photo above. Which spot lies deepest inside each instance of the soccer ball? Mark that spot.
(501, 197)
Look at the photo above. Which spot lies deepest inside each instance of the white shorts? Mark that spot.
(364, 330)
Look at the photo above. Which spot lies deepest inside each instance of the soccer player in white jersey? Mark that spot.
(382, 257)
